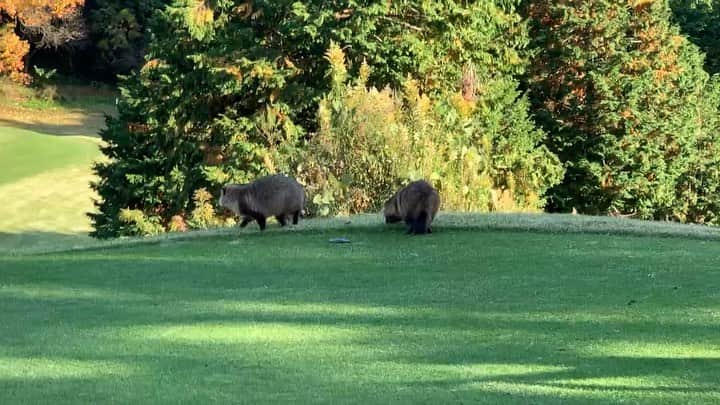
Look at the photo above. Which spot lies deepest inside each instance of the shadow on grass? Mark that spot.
(78, 109)
(39, 241)
(281, 317)
(77, 122)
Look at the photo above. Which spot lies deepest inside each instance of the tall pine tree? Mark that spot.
(627, 105)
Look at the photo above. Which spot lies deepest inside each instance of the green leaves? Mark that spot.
(625, 101)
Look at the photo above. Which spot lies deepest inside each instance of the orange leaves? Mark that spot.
(32, 13)
(34, 8)
(12, 51)
(640, 5)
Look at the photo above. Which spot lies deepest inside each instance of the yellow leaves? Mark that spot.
(502, 200)
(177, 224)
(336, 57)
(262, 71)
(344, 14)
(289, 63)
(201, 14)
(677, 40)
(638, 64)
(465, 108)
(649, 38)
(234, 71)
(153, 64)
(39, 12)
(364, 73)
(26, 8)
(268, 163)
(661, 75)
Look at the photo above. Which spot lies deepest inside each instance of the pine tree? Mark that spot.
(700, 21)
(626, 103)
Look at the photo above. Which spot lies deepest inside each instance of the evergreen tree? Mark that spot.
(627, 104)
(700, 21)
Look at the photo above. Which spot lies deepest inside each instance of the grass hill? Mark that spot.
(489, 309)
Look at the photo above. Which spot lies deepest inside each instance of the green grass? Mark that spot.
(45, 188)
(67, 95)
(26, 153)
(488, 309)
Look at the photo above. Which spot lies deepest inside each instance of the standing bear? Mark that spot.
(276, 195)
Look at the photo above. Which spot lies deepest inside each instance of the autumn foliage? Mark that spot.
(31, 18)
(12, 51)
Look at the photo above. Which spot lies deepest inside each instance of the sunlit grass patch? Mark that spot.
(59, 368)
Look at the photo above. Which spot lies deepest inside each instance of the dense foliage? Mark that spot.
(42, 23)
(700, 20)
(482, 153)
(118, 34)
(231, 88)
(628, 108)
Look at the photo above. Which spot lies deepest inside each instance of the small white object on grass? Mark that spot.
(339, 240)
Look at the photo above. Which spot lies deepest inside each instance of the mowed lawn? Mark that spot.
(45, 186)
(459, 316)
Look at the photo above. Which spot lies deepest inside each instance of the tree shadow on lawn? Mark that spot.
(217, 325)
(165, 355)
(74, 121)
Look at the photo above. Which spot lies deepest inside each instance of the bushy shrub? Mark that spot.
(482, 154)
(136, 223)
(203, 215)
(354, 159)
(177, 224)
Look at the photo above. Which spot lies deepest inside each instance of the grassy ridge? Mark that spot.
(461, 316)
(536, 223)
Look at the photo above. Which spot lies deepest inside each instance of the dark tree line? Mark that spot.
(99, 41)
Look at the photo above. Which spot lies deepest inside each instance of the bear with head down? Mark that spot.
(276, 195)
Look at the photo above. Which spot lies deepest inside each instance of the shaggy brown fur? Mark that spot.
(416, 204)
(277, 195)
